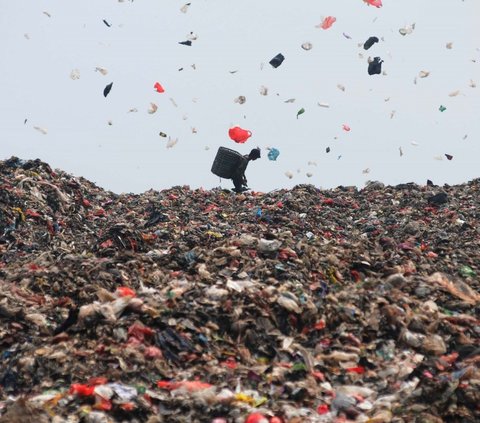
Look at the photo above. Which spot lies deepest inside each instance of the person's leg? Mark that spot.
(237, 181)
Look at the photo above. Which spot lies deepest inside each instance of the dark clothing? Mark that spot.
(238, 178)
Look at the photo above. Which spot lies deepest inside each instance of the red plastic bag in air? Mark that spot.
(239, 135)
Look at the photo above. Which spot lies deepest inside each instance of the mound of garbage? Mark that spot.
(180, 305)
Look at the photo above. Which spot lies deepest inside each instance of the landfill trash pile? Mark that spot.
(301, 305)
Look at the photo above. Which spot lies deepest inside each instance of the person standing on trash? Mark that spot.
(238, 177)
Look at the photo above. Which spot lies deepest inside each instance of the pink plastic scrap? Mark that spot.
(376, 3)
(328, 22)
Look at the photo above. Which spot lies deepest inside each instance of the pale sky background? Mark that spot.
(141, 47)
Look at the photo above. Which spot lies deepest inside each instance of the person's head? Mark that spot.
(254, 154)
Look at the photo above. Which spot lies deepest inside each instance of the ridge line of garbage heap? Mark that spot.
(301, 305)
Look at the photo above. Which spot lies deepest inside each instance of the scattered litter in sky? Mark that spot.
(241, 135)
(263, 90)
(277, 60)
(465, 137)
(184, 8)
(339, 157)
(327, 22)
(414, 143)
(370, 42)
(162, 134)
(44, 131)
(152, 109)
(171, 142)
(240, 99)
(194, 130)
(289, 174)
(366, 171)
(75, 74)
(439, 158)
(273, 154)
(307, 46)
(309, 174)
(375, 66)
(408, 29)
(103, 71)
(109, 122)
(107, 89)
(158, 87)
(312, 163)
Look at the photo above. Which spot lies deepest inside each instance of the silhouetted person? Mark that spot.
(238, 178)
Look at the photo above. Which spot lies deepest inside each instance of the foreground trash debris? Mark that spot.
(299, 305)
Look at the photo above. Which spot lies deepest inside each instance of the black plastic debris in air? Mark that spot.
(107, 89)
(277, 60)
(375, 66)
(370, 42)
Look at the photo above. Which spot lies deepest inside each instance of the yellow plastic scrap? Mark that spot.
(53, 402)
(260, 401)
(331, 275)
(254, 402)
(245, 398)
(214, 234)
(20, 212)
(33, 174)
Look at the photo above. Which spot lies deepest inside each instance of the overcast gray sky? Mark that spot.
(141, 47)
